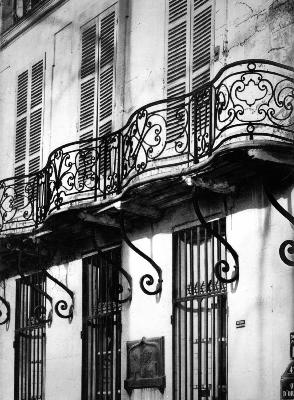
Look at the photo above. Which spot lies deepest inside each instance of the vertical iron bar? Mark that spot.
(105, 165)
(107, 326)
(174, 291)
(206, 312)
(17, 340)
(26, 343)
(199, 347)
(185, 315)
(119, 163)
(196, 156)
(91, 322)
(191, 316)
(213, 339)
(96, 331)
(179, 324)
(85, 307)
(101, 328)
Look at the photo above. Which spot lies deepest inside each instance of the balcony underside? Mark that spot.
(68, 234)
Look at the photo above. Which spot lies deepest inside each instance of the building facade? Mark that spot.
(146, 228)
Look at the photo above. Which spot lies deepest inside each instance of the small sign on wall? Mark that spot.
(240, 323)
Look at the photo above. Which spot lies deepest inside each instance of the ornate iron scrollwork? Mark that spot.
(7, 306)
(146, 279)
(287, 244)
(62, 305)
(221, 265)
(39, 313)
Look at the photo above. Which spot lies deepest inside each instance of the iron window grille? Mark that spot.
(30, 338)
(101, 335)
(199, 316)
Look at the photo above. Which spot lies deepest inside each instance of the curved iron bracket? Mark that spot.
(119, 289)
(287, 244)
(147, 278)
(7, 306)
(62, 305)
(39, 311)
(221, 265)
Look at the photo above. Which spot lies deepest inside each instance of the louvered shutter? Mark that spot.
(88, 97)
(36, 114)
(106, 74)
(177, 73)
(29, 115)
(201, 39)
(202, 16)
(189, 45)
(97, 87)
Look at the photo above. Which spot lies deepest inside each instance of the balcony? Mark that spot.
(244, 117)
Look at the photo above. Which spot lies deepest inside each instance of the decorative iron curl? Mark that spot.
(221, 265)
(7, 305)
(62, 305)
(287, 244)
(39, 311)
(119, 288)
(146, 279)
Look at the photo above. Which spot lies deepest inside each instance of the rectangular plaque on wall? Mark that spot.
(145, 364)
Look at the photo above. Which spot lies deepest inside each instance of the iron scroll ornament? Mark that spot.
(62, 305)
(119, 288)
(287, 244)
(39, 312)
(7, 305)
(146, 279)
(221, 265)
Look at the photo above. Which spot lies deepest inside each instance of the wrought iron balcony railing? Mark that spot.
(248, 100)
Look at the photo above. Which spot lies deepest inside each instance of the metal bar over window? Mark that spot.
(199, 315)
(101, 327)
(30, 338)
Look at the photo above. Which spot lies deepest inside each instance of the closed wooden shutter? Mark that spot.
(201, 39)
(97, 85)
(29, 122)
(22, 99)
(177, 68)
(36, 116)
(189, 45)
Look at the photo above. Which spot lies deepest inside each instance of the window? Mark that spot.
(29, 123)
(101, 367)
(199, 316)
(97, 85)
(30, 338)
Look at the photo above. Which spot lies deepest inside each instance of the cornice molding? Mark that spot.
(29, 21)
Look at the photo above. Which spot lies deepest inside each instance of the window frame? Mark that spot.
(30, 338)
(94, 328)
(211, 298)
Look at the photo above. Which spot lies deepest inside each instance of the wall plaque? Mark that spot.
(292, 345)
(287, 383)
(145, 364)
